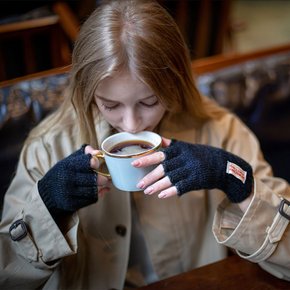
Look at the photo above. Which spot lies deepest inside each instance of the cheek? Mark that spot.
(111, 117)
(155, 116)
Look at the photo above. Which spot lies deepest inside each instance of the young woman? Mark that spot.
(64, 227)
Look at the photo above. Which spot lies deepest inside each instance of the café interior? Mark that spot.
(239, 50)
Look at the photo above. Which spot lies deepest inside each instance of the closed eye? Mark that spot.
(110, 107)
(149, 104)
(150, 101)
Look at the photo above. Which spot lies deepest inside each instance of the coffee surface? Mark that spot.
(131, 147)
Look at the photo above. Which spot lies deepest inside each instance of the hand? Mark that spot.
(185, 167)
(71, 183)
(156, 181)
(103, 182)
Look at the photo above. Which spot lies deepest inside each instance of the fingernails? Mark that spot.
(141, 184)
(148, 190)
(136, 163)
(161, 195)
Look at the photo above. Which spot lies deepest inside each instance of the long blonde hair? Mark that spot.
(139, 36)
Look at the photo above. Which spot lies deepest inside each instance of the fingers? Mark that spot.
(155, 182)
(151, 159)
(160, 185)
(163, 186)
(151, 177)
(103, 185)
(154, 158)
(94, 162)
(171, 191)
(165, 142)
(89, 149)
(102, 191)
(102, 180)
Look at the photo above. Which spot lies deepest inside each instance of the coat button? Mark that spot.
(121, 230)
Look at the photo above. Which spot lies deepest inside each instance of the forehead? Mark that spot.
(122, 85)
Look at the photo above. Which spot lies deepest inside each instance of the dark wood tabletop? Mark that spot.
(232, 273)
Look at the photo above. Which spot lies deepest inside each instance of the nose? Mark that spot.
(131, 121)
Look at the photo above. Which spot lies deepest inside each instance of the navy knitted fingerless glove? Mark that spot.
(195, 166)
(69, 185)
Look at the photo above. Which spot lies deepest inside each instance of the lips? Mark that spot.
(144, 129)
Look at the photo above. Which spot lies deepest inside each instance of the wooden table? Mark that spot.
(232, 273)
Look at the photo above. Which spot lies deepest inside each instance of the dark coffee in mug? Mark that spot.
(131, 147)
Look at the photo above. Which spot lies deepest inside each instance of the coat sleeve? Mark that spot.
(261, 234)
(31, 259)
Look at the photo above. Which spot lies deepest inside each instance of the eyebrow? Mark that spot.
(108, 100)
(104, 99)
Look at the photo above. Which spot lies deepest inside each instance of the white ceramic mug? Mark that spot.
(120, 150)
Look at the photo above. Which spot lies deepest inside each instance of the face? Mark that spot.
(127, 104)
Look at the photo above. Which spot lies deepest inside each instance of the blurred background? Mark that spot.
(38, 35)
(257, 24)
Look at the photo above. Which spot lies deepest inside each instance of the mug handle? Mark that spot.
(101, 155)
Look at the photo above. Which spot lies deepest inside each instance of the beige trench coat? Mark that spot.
(91, 249)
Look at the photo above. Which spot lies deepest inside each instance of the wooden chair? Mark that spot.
(205, 24)
(60, 28)
(221, 61)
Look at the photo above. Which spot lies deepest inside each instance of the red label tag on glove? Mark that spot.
(236, 171)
